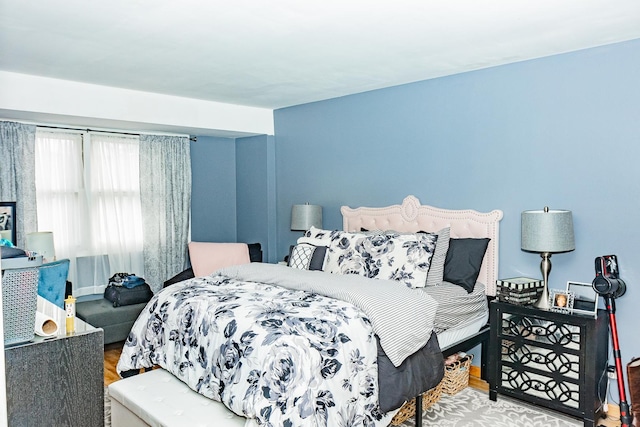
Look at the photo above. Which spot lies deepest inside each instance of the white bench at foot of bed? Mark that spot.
(157, 398)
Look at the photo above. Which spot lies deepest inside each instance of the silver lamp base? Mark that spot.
(545, 268)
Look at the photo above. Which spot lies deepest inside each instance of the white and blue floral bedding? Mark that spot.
(285, 357)
(403, 257)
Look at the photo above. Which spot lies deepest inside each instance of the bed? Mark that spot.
(295, 346)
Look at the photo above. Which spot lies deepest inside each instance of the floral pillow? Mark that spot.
(389, 256)
(316, 236)
(435, 275)
(402, 257)
(344, 254)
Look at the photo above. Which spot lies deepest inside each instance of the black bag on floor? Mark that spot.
(119, 295)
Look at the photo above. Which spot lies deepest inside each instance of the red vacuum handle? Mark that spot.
(625, 416)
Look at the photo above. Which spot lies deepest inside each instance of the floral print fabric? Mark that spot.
(284, 357)
(391, 256)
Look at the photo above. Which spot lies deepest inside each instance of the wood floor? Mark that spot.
(111, 356)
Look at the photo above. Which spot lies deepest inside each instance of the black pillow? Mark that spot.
(255, 252)
(463, 262)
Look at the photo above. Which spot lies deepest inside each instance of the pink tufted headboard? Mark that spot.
(411, 216)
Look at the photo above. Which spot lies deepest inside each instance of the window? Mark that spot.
(88, 195)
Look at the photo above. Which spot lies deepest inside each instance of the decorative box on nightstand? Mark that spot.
(550, 359)
(519, 290)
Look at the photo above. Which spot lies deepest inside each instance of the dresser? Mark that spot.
(550, 359)
(58, 380)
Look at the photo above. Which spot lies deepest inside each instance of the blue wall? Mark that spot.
(213, 193)
(562, 131)
(255, 178)
(233, 191)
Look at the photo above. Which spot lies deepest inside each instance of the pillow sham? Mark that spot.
(344, 254)
(305, 256)
(387, 255)
(316, 236)
(464, 260)
(401, 257)
(435, 275)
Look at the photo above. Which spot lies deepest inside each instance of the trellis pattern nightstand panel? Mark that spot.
(550, 359)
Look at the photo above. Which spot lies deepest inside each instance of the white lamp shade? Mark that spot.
(41, 242)
(303, 217)
(547, 231)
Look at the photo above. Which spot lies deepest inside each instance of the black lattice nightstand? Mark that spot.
(550, 359)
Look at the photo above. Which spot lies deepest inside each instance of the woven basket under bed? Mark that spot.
(456, 375)
(408, 410)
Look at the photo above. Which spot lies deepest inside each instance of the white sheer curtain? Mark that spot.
(88, 193)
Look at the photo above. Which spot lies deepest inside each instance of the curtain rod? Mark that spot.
(191, 138)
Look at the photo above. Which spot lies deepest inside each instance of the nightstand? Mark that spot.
(550, 359)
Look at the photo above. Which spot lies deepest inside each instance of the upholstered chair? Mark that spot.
(53, 281)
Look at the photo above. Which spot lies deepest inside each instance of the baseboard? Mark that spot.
(611, 418)
(613, 411)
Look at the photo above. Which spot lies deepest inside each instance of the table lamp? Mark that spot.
(303, 217)
(547, 232)
(41, 242)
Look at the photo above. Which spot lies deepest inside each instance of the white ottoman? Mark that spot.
(157, 398)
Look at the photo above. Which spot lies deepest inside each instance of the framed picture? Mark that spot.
(561, 301)
(585, 298)
(8, 221)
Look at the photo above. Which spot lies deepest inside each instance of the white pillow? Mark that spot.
(390, 256)
(344, 254)
(316, 236)
(402, 257)
(435, 275)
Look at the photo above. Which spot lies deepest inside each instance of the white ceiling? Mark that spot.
(278, 53)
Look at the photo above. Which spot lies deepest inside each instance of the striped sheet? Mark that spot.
(457, 308)
(436, 268)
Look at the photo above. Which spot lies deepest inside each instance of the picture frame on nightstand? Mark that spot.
(561, 301)
(585, 301)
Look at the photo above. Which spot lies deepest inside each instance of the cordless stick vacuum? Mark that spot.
(610, 286)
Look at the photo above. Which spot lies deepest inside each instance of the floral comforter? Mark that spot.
(284, 357)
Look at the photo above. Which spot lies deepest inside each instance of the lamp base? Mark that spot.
(545, 268)
(543, 301)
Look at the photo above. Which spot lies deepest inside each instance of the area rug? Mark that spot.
(469, 408)
(472, 408)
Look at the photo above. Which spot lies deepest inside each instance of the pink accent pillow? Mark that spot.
(208, 257)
